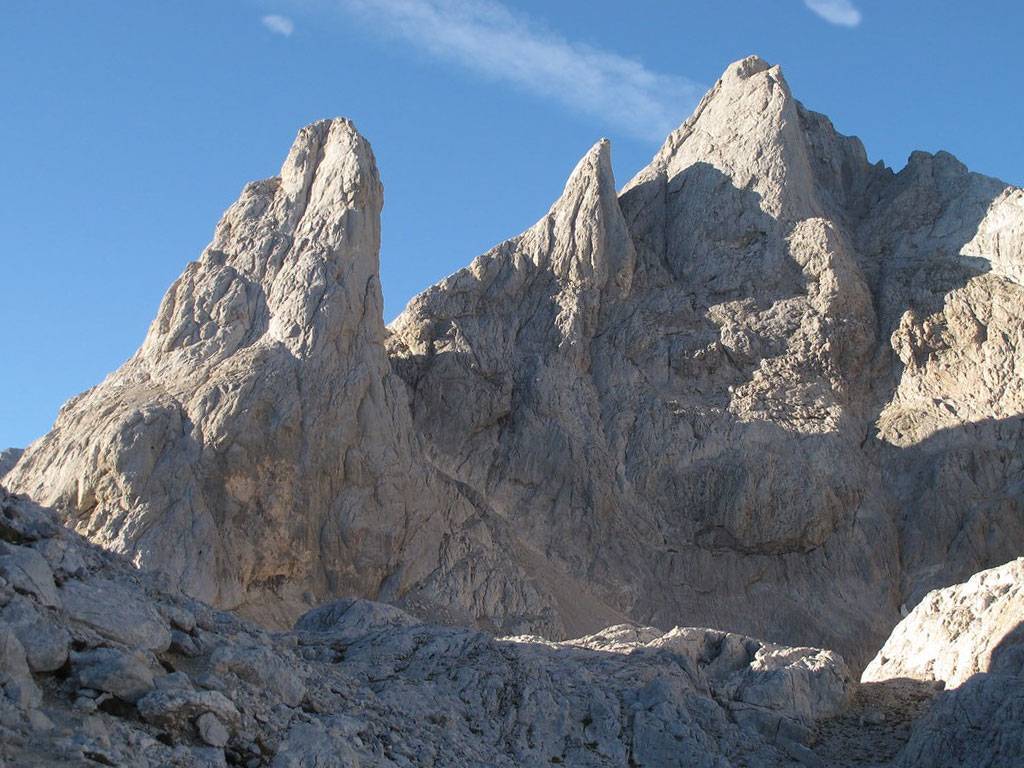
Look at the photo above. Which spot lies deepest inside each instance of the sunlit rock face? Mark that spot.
(257, 449)
(766, 387)
(769, 386)
(967, 639)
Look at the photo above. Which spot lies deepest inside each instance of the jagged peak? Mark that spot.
(586, 238)
(593, 171)
(292, 258)
(750, 128)
(748, 67)
(332, 145)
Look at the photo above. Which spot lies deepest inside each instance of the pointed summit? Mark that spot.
(256, 413)
(751, 129)
(582, 242)
(586, 239)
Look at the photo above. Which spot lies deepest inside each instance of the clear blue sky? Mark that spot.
(127, 127)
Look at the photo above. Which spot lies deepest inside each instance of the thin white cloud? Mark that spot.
(488, 38)
(279, 25)
(840, 12)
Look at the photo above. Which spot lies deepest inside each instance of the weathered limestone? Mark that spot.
(359, 683)
(958, 632)
(970, 638)
(770, 387)
(257, 449)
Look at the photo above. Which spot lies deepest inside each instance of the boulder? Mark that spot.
(116, 613)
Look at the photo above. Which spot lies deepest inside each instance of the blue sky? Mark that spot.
(127, 127)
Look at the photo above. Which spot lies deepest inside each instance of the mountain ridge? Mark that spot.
(722, 393)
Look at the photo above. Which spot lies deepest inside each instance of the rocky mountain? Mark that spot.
(257, 448)
(767, 387)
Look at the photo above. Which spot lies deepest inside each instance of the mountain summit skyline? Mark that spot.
(720, 466)
(703, 396)
(150, 116)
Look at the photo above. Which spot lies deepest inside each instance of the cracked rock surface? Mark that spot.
(257, 450)
(359, 683)
(768, 386)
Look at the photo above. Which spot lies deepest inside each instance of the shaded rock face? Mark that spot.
(8, 458)
(257, 448)
(769, 387)
(359, 683)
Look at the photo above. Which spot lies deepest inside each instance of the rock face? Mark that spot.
(257, 449)
(969, 637)
(958, 632)
(8, 458)
(359, 683)
(769, 387)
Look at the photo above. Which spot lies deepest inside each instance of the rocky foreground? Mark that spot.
(99, 665)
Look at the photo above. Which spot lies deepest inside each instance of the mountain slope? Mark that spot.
(768, 387)
(718, 431)
(101, 666)
(257, 448)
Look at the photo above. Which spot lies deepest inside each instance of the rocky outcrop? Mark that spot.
(970, 639)
(155, 678)
(257, 449)
(769, 387)
(958, 632)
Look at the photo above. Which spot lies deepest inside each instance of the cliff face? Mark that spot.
(768, 387)
(257, 448)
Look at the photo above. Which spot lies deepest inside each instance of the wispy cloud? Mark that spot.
(279, 25)
(488, 38)
(841, 12)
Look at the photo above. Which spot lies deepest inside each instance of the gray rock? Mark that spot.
(40, 632)
(23, 521)
(116, 613)
(175, 710)
(8, 458)
(262, 667)
(354, 617)
(321, 744)
(126, 675)
(977, 725)
(183, 643)
(211, 730)
(28, 572)
(959, 631)
(180, 618)
(15, 678)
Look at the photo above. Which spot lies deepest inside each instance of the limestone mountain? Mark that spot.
(257, 448)
(768, 387)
